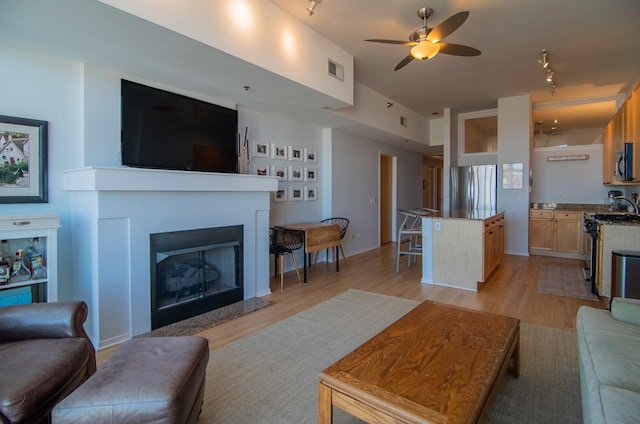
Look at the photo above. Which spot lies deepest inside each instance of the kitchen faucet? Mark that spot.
(631, 202)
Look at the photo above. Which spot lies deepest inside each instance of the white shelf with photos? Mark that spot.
(17, 231)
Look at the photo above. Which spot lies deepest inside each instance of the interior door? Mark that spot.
(386, 202)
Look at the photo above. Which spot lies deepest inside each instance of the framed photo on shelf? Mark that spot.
(260, 169)
(295, 153)
(310, 193)
(310, 155)
(280, 195)
(279, 171)
(295, 173)
(260, 149)
(295, 194)
(23, 163)
(310, 174)
(278, 151)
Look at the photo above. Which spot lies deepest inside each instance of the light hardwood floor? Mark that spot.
(511, 290)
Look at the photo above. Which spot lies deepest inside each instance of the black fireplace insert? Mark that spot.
(194, 271)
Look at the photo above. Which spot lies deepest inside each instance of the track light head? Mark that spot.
(312, 7)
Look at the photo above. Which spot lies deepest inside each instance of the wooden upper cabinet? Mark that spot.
(623, 128)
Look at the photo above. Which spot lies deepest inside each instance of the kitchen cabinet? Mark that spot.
(558, 231)
(493, 244)
(613, 237)
(462, 248)
(567, 233)
(623, 128)
(17, 230)
(540, 229)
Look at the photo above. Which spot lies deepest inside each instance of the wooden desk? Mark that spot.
(436, 364)
(316, 236)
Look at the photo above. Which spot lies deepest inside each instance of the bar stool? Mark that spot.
(411, 226)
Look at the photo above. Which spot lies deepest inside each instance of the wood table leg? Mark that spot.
(325, 409)
(515, 371)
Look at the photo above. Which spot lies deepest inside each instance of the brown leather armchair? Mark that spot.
(45, 354)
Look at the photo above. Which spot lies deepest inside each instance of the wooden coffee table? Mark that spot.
(436, 364)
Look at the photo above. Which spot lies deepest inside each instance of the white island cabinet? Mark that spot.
(462, 248)
(17, 230)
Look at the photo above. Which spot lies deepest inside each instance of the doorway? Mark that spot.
(386, 207)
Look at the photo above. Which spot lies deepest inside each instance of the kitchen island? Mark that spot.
(461, 248)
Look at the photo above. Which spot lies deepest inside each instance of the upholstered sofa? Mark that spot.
(45, 354)
(609, 351)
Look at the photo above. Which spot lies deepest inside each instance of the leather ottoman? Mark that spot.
(154, 379)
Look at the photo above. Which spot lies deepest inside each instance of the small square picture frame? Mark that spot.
(310, 174)
(296, 194)
(310, 155)
(260, 149)
(281, 195)
(260, 169)
(278, 151)
(310, 193)
(296, 173)
(296, 153)
(279, 171)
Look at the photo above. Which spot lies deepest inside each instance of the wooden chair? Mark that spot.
(343, 223)
(281, 243)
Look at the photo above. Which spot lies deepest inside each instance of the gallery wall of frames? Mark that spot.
(294, 167)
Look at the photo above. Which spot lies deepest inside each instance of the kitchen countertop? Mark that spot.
(582, 207)
(481, 214)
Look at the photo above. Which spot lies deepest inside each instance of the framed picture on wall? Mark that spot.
(279, 171)
(280, 195)
(310, 193)
(296, 173)
(23, 161)
(260, 149)
(296, 194)
(310, 174)
(295, 153)
(278, 151)
(260, 169)
(310, 155)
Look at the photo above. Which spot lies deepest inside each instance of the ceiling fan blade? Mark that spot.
(404, 43)
(447, 26)
(403, 63)
(458, 50)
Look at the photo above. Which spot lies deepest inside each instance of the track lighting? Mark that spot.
(389, 104)
(312, 6)
(544, 62)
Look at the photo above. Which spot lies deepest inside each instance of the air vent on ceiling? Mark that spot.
(336, 70)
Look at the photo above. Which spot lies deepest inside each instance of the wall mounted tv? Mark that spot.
(165, 130)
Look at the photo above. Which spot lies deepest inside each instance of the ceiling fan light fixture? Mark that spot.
(425, 50)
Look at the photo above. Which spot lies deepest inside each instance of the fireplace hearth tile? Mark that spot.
(194, 325)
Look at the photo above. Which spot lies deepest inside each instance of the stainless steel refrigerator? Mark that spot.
(474, 187)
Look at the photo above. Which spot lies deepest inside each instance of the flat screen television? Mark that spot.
(164, 130)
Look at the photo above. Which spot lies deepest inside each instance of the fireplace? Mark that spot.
(194, 271)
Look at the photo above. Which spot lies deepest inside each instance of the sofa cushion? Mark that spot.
(612, 347)
(619, 405)
(627, 310)
(61, 365)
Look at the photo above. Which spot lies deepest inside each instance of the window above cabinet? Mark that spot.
(478, 132)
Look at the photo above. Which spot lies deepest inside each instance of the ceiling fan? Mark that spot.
(427, 42)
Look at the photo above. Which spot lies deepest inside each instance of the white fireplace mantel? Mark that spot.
(114, 211)
(140, 179)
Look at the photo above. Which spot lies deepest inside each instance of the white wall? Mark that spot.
(355, 175)
(577, 181)
(44, 88)
(514, 121)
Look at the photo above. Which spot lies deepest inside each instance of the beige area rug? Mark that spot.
(564, 280)
(191, 326)
(271, 376)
